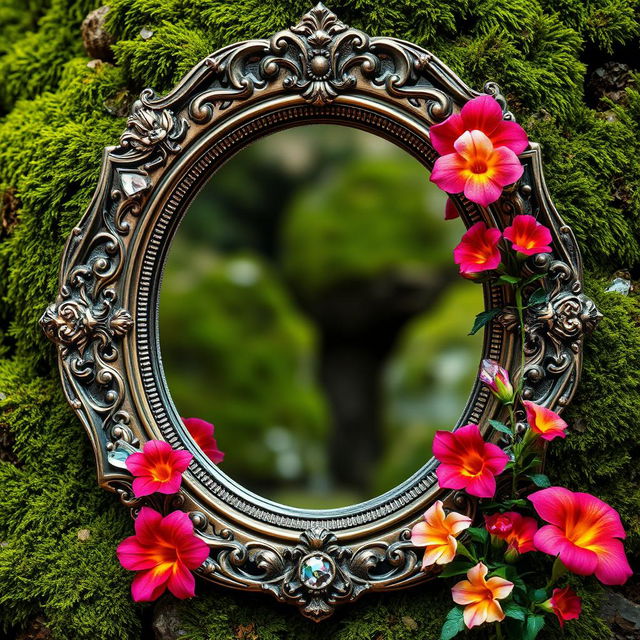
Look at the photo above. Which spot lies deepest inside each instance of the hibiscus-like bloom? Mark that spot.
(477, 168)
(478, 250)
(497, 379)
(480, 597)
(467, 461)
(565, 604)
(482, 114)
(438, 534)
(499, 525)
(528, 236)
(202, 432)
(158, 468)
(584, 532)
(164, 551)
(546, 423)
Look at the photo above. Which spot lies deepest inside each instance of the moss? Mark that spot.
(54, 126)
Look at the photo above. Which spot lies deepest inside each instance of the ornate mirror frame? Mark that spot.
(104, 321)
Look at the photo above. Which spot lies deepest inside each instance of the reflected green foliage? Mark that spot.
(54, 122)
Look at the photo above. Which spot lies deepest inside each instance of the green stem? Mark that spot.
(520, 309)
(463, 551)
(499, 635)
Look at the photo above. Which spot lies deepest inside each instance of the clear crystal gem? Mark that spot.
(316, 571)
(133, 183)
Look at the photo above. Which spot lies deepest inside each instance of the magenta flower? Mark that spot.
(584, 532)
(467, 461)
(484, 114)
(528, 236)
(477, 168)
(202, 432)
(164, 551)
(497, 379)
(478, 250)
(158, 468)
(565, 604)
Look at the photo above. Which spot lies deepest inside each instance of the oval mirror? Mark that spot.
(310, 308)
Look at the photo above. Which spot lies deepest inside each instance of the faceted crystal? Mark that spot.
(133, 182)
(316, 571)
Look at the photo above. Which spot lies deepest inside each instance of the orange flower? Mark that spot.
(480, 597)
(546, 423)
(438, 534)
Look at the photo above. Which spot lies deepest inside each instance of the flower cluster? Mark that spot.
(165, 550)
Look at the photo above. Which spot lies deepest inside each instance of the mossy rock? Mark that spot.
(57, 113)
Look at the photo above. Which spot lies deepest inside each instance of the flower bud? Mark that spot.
(497, 379)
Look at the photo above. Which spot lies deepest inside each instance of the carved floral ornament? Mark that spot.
(104, 326)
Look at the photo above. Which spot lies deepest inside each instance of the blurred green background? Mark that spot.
(311, 310)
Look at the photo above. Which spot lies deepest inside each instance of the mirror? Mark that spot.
(311, 310)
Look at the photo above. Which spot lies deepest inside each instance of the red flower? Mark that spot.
(478, 250)
(477, 168)
(482, 114)
(158, 467)
(467, 461)
(546, 423)
(517, 530)
(202, 432)
(450, 210)
(584, 532)
(565, 604)
(528, 236)
(164, 551)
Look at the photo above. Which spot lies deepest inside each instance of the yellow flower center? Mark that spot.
(161, 472)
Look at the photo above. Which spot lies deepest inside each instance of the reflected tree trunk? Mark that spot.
(359, 325)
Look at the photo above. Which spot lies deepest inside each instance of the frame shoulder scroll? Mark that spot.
(104, 325)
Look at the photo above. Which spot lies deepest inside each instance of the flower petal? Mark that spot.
(484, 191)
(474, 145)
(506, 167)
(145, 486)
(181, 583)
(451, 210)
(449, 477)
(457, 523)
(613, 566)
(482, 486)
(476, 614)
(443, 135)
(134, 556)
(449, 173)
(482, 113)
(552, 540)
(511, 135)
(146, 525)
(151, 584)
(500, 588)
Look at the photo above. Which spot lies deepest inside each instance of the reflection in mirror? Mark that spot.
(311, 310)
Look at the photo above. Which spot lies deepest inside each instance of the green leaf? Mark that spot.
(484, 318)
(478, 534)
(533, 278)
(500, 426)
(453, 624)
(515, 611)
(540, 480)
(532, 627)
(538, 595)
(509, 279)
(456, 568)
(539, 296)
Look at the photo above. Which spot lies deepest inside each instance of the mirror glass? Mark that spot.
(311, 310)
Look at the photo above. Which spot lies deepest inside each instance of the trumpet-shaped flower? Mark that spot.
(528, 236)
(565, 604)
(480, 596)
(438, 534)
(164, 551)
(497, 379)
(202, 432)
(483, 114)
(158, 468)
(477, 168)
(546, 423)
(584, 532)
(478, 250)
(467, 461)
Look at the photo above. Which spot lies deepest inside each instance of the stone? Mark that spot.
(316, 571)
(97, 42)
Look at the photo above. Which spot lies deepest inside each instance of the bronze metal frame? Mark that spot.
(104, 321)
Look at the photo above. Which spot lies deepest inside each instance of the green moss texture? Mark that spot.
(58, 531)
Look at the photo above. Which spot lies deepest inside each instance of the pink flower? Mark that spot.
(438, 534)
(517, 530)
(158, 467)
(499, 525)
(467, 461)
(565, 604)
(497, 379)
(477, 168)
(546, 423)
(202, 432)
(483, 114)
(528, 236)
(584, 532)
(480, 596)
(478, 250)
(164, 551)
